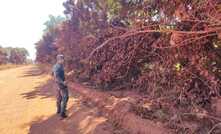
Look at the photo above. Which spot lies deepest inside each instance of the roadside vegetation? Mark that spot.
(167, 51)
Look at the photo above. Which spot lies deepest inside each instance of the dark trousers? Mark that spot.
(62, 99)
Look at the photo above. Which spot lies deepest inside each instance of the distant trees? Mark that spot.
(13, 55)
(18, 55)
(3, 56)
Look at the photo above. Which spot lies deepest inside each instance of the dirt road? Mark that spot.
(27, 106)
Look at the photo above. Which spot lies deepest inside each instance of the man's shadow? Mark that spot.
(80, 120)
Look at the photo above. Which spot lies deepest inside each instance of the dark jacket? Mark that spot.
(58, 73)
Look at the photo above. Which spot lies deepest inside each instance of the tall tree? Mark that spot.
(46, 50)
(52, 24)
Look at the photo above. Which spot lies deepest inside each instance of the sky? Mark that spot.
(22, 21)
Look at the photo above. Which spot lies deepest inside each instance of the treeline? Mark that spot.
(116, 43)
(136, 43)
(148, 46)
(167, 50)
(13, 55)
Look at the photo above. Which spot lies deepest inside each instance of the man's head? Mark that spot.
(60, 59)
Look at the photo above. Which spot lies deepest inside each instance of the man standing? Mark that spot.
(62, 91)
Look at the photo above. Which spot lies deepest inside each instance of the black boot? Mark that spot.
(63, 115)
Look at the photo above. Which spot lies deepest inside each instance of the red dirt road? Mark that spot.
(27, 106)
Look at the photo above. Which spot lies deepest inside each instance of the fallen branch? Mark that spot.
(149, 31)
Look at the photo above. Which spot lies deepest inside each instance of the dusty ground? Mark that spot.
(27, 106)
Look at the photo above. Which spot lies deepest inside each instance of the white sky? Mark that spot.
(21, 21)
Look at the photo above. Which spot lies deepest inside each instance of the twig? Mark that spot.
(211, 130)
(185, 42)
(205, 83)
(205, 115)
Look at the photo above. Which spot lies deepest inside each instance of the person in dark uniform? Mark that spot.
(62, 90)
